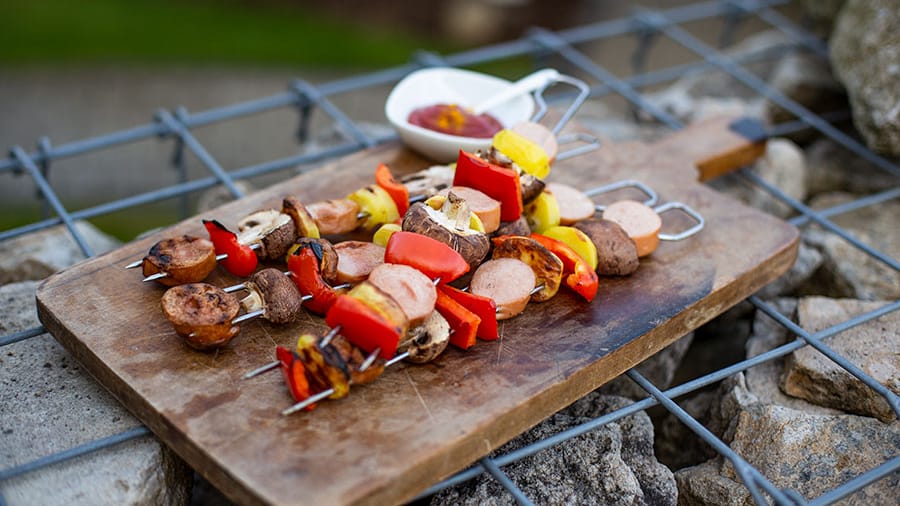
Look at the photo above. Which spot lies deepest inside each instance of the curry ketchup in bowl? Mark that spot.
(452, 119)
(428, 108)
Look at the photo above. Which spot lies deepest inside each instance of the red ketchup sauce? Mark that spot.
(454, 120)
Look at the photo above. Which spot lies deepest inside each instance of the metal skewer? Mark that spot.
(325, 393)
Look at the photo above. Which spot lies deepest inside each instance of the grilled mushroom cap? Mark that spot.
(304, 223)
(450, 225)
(517, 227)
(274, 292)
(325, 252)
(428, 340)
(273, 230)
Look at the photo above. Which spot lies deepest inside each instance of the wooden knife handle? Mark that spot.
(716, 145)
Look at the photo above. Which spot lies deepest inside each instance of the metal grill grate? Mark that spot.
(648, 26)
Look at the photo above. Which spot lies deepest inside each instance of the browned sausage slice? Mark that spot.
(639, 221)
(508, 281)
(573, 204)
(336, 216)
(412, 290)
(186, 259)
(201, 314)
(547, 267)
(356, 259)
(487, 209)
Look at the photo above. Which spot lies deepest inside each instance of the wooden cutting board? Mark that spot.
(416, 424)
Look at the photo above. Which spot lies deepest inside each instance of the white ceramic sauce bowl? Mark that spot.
(449, 86)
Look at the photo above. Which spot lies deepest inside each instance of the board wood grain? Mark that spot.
(393, 438)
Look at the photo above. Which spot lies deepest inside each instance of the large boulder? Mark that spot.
(865, 53)
(58, 406)
(613, 464)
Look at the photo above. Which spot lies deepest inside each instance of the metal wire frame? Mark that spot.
(648, 26)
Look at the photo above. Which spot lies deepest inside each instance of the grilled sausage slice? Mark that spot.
(547, 267)
(201, 314)
(508, 281)
(356, 259)
(412, 290)
(337, 216)
(639, 221)
(487, 208)
(573, 204)
(616, 253)
(186, 259)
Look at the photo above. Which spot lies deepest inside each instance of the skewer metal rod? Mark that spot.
(325, 393)
(262, 369)
(247, 316)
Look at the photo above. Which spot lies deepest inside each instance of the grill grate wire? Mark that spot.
(648, 26)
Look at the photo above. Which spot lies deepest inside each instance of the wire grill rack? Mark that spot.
(648, 26)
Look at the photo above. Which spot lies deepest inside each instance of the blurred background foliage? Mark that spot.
(200, 31)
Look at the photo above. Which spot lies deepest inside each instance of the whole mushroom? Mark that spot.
(451, 224)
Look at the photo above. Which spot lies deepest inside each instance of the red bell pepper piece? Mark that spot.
(484, 307)
(398, 191)
(430, 256)
(581, 277)
(363, 326)
(294, 374)
(463, 323)
(303, 265)
(241, 259)
(497, 182)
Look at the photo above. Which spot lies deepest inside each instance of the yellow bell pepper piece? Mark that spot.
(526, 154)
(377, 203)
(542, 213)
(384, 233)
(577, 240)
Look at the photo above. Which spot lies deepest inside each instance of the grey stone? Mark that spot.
(659, 369)
(808, 453)
(40, 254)
(697, 95)
(872, 346)
(807, 80)
(822, 13)
(58, 406)
(865, 53)
(809, 260)
(613, 464)
(832, 167)
(847, 271)
(763, 381)
(783, 165)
